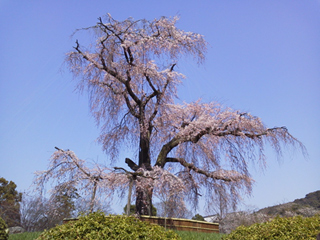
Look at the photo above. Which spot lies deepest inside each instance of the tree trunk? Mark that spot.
(144, 202)
(144, 196)
(144, 152)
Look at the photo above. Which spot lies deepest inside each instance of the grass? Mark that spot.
(183, 234)
(24, 236)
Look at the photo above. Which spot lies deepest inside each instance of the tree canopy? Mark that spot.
(194, 149)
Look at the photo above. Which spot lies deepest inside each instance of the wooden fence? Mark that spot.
(180, 224)
(183, 224)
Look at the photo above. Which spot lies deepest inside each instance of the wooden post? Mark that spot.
(129, 196)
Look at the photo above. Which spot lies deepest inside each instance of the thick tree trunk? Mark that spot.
(144, 152)
(144, 202)
(144, 196)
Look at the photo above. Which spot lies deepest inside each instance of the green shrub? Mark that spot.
(3, 233)
(279, 228)
(98, 226)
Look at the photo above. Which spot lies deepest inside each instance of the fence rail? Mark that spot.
(183, 224)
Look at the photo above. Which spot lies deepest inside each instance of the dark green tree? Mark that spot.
(198, 217)
(10, 200)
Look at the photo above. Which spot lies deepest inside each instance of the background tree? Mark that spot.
(198, 217)
(173, 209)
(222, 203)
(130, 73)
(10, 200)
(34, 215)
(171, 200)
(82, 203)
(62, 202)
(39, 213)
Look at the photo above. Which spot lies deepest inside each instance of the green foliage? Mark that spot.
(186, 235)
(133, 210)
(3, 226)
(198, 217)
(24, 236)
(99, 226)
(279, 228)
(9, 202)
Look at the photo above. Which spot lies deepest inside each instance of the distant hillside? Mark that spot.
(308, 206)
(311, 199)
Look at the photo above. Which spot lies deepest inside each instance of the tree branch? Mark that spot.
(104, 67)
(129, 89)
(75, 162)
(133, 174)
(175, 141)
(131, 164)
(227, 176)
(130, 107)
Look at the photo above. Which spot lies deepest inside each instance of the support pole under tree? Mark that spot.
(129, 196)
(93, 196)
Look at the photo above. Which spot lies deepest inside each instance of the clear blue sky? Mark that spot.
(263, 57)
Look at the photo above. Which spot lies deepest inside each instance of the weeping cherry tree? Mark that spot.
(192, 149)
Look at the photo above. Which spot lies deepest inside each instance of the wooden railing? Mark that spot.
(180, 224)
(183, 224)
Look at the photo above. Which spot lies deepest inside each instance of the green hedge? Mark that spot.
(294, 228)
(3, 233)
(97, 226)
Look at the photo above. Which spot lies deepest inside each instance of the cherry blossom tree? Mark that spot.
(130, 73)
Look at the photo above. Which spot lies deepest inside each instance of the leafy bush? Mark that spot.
(296, 228)
(98, 226)
(3, 233)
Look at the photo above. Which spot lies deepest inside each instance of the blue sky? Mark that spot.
(263, 57)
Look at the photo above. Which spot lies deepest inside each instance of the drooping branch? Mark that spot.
(67, 169)
(75, 161)
(208, 123)
(227, 176)
(237, 133)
